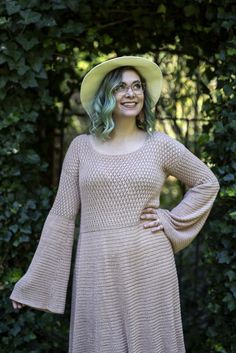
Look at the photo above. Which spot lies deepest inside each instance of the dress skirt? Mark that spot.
(125, 293)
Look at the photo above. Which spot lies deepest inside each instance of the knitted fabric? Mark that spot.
(125, 296)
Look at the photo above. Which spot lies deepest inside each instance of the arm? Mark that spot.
(183, 222)
(44, 285)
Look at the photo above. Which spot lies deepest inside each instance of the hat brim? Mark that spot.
(93, 79)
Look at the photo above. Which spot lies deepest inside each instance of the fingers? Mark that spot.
(17, 305)
(156, 229)
(149, 210)
(149, 213)
(155, 225)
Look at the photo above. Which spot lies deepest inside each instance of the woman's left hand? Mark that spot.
(149, 213)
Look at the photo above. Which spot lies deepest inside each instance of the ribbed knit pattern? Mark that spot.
(125, 288)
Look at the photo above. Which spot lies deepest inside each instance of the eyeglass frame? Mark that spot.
(127, 87)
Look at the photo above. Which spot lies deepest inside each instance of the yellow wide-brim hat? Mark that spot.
(93, 79)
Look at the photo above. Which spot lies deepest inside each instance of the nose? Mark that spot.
(130, 92)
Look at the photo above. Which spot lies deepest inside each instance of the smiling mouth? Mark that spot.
(129, 104)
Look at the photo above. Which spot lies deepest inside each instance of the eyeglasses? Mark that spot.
(122, 88)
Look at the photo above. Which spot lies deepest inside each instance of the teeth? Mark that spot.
(129, 104)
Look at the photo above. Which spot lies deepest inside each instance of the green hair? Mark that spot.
(101, 121)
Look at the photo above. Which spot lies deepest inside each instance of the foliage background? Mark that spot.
(45, 49)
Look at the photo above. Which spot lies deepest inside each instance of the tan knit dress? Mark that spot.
(125, 287)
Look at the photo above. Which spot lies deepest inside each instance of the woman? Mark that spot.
(125, 288)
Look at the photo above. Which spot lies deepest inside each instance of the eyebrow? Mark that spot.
(137, 81)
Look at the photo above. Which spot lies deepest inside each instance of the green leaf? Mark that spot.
(107, 39)
(13, 275)
(229, 177)
(29, 80)
(223, 257)
(3, 59)
(74, 5)
(61, 47)
(161, 9)
(47, 21)
(23, 69)
(3, 81)
(232, 125)
(36, 62)
(228, 90)
(233, 290)
(4, 20)
(25, 230)
(211, 332)
(233, 215)
(26, 41)
(3, 94)
(230, 301)
(191, 10)
(10, 119)
(59, 5)
(11, 49)
(30, 337)
(42, 74)
(231, 275)
(32, 157)
(6, 237)
(29, 17)
(46, 98)
(73, 27)
(23, 238)
(228, 24)
(15, 331)
(31, 204)
(13, 77)
(13, 228)
(231, 52)
(12, 7)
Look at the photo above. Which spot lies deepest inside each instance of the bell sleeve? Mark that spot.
(184, 222)
(44, 285)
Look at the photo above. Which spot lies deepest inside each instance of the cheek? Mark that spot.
(117, 103)
(142, 101)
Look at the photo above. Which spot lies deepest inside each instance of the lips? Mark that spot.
(129, 104)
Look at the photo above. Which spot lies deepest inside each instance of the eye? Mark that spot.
(120, 88)
(137, 86)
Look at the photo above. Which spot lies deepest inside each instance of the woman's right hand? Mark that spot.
(17, 305)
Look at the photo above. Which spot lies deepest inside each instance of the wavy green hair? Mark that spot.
(101, 120)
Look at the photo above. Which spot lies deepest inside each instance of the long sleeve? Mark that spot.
(183, 222)
(44, 285)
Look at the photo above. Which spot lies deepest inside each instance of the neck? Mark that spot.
(124, 128)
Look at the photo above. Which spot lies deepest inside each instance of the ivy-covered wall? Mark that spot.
(220, 253)
(41, 42)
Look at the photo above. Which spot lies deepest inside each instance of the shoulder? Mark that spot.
(167, 149)
(74, 153)
(167, 142)
(78, 144)
(79, 140)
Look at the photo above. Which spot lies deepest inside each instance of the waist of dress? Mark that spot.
(92, 219)
(84, 228)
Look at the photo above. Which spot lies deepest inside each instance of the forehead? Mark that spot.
(129, 75)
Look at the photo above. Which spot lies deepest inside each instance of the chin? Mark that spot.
(131, 113)
(128, 113)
